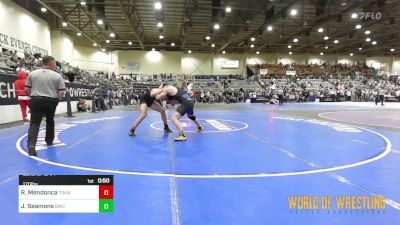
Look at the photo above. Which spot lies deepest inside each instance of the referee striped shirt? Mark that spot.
(45, 83)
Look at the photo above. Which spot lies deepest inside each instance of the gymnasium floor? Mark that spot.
(241, 170)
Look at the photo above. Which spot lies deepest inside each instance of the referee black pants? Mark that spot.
(41, 106)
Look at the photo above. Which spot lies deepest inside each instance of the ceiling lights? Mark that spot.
(130, 43)
(358, 26)
(172, 44)
(293, 12)
(326, 38)
(295, 40)
(112, 35)
(100, 22)
(157, 5)
(269, 28)
(320, 30)
(159, 24)
(216, 26)
(43, 9)
(354, 15)
(367, 32)
(228, 9)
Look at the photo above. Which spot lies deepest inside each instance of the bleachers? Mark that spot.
(314, 84)
(205, 84)
(10, 61)
(316, 70)
(243, 84)
(310, 79)
(280, 83)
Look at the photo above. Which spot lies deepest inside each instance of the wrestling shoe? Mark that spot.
(181, 138)
(167, 129)
(131, 132)
(32, 153)
(200, 129)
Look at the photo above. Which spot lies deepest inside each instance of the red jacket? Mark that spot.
(20, 84)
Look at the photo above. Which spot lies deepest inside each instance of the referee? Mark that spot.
(46, 88)
(381, 93)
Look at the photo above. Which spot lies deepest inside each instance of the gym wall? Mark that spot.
(20, 29)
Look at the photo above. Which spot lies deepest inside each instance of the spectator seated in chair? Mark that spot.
(83, 106)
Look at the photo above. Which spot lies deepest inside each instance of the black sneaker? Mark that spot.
(131, 133)
(167, 129)
(32, 153)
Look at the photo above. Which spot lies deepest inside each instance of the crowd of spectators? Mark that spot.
(12, 61)
(359, 89)
(316, 70)
(325, 82)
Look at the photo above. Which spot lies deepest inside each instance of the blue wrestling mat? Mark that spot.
(247, 167)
